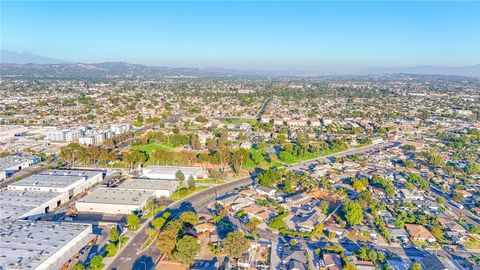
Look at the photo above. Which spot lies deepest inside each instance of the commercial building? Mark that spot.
(41, 245)
(119, 128)
(11, 164)
(114, 201)
(169, 172)
(39, 194)
(70, 182)
(161, 188)
(15, 204)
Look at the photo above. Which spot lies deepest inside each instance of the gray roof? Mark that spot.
(15, 203)
(173, 169)
(84, 173)
(56, 178)
(48, 181)
(149, 184)
(25, 244)
(117, 196)
(10, 161)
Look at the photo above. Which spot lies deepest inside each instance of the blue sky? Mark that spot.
(253, 35)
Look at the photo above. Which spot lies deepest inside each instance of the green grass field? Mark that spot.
(149, 148)
(184, 192)
(239, 121)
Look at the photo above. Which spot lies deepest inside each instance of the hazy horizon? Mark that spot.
(307, 36)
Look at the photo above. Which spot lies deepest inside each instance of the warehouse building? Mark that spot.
(16, 204)
(114, 201)
(11, 164)
(168, 172)
(161, 188)
(70, 182)
(41, 245)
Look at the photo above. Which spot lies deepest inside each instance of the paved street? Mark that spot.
(128, 258)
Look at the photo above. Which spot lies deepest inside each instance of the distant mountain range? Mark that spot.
(469, 71)
(30, 64)
(7, 56)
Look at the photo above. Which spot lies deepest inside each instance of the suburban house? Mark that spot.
(418, 232)
(331, 261)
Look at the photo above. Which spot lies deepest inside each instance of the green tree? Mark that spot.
(372, 256)
(277, 222)
(363, 253)
(191, 182)
(113, 234)
(268, 177)
(457, 197)
(133, 221)
(472, 168)
(235, 244)
(353, 212)
(181, 177)
(189, 217)
(158, 223)
(96, 262)
(186, 250)
(324, 206)
(111, 249)
(78, 266)
(416, 266)
(167, 239)
(358, 185)
(440, 200)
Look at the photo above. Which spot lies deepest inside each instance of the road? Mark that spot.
(345, 153)
(262, 109)
(128, 258)
(147, 259)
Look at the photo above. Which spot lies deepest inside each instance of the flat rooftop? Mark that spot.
(26, 244)
(10, 161)
(117, 196)
(83, 173)
(15, 203)
(172, 169)
(48, 181)
(150, 184)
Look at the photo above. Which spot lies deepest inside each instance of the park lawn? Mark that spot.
(239, 121)
(149, 148)
(184, 192)
(291, 159)
(211, 181)
(256, 159)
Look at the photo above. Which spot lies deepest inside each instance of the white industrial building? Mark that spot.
(41, 245)
(70, 182)
(15, 204)
(168, 172)
(14, 163)
(161, 188)
(114, 201)
(39, 194)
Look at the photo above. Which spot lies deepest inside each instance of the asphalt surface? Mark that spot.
(128, 258)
